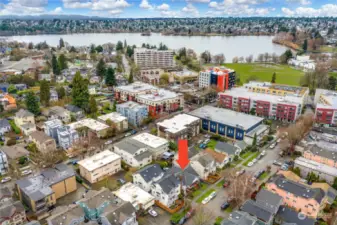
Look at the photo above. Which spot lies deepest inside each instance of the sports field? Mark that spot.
(264, 72)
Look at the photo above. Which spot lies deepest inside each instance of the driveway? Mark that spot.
(163, 218)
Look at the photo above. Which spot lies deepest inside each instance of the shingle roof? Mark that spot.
(40, 136)
(5, 193)
(190, 176)
(288, 215)
(23, 113)
(4, 123)
(73, 108)
(130, 145)
(298, 189)
(151, 171)
(226, 148)
(205, 160)
(8, 210)
(15, 151)
(168, 182)
(239, 218)
(143, 155)
(253, 208)
(268, 200)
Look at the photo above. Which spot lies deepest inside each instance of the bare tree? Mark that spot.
(203, 216)
(235, 59)
(241, 59)
(260, 58)
(219, 59)
(48, 159)
(266, 57)
(240, 188)
(275, 58)
(249, 59)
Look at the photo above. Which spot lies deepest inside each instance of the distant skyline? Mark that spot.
(171, 8)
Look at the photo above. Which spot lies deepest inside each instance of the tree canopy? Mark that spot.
(32, 103)
(44, 92)
(80, 92)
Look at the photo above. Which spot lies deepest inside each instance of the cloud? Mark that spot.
(324, 10)
(169, 13)
(301, 2)
(190, 9)
(24, 7)
(226, 3)
(145, 5)
(163, 7)
(57, 10)
(76, 4)
(109, 4)
(115, 11)
(199, 1)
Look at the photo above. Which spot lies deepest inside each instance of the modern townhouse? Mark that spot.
(3, 163)
(51, 127)
(136, 113)
(66, 137)
(133, 152)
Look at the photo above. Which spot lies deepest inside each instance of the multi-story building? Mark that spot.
(43, 142)
(321, 155)
(109, 210)
(116, 120)
(325, 172)
(229, 123)
(51, 127)
(99, 166)
(136, 113)
(181, 126)
(302, 198)
(131, 91)
(133, 152)
(8, 102)
(285, 106)
(156, 145)
(148, 175)
(66, 137)
(153, 58)
(151, 76)
(220, 78)
(11, 212)
(204, 165)
(326, 106)
(3, 163)
(99, 128)
(40, 192)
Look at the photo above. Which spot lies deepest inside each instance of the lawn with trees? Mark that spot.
(264, 72)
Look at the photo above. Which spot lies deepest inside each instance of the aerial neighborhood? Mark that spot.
(93, 134)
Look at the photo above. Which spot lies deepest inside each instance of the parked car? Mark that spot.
(289, 163)
(144, 128)
(284, 167)
(121, 181)
(263, 153)
(258, 174)
(206, 141)
(213, 194)
(225, 205)
(202, 146)
(226, 183)
(182, 221)
(272, 146)
(6, 179)
(199, 142)
(240, 172)
(26, 172)
(206, 200)
(152, 212)
(277, 163)
(108, 142)
(127, 134)
(190, 213)
(133, 132)
(250, 164)
(254, 160)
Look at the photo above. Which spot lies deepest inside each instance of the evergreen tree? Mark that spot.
(99, 48)
(125, 45)
(92, 49)
(32, 103)
(254, 140)
(273, 79)
(61, 45)
(72, 49)
(61, 92)
(130, 77)
(80, 92)
(332, 83)
(62, 63)
(129, 51)
(110, 77)
(55, 66)
(30, 45)
(12, 89)
(119, 46)
(93, 107)
(305, 45)
(114, 106)
(44, 92)
(100, 68)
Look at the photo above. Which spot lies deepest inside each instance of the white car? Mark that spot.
(250, 164)
(254, 160)
(206, 200)
(272, 146)
(212, 195)
(263, 153)
(6, 179)
(127, 135)
(108, 142)
(152, 213)
(26, 172)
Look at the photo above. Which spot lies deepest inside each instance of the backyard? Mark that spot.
(264, 72)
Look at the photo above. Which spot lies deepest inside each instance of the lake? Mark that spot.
(229, 46)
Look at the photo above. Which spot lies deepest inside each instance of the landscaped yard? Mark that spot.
(200, 190)
(327, 48)
(250, 158)
(264, 72)
(205, 195)
(263, 176)
(229, 209)
(211, 144)
(246, 155)
(220, 183)
(218, 220)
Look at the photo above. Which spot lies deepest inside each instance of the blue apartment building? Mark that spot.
(135, 112)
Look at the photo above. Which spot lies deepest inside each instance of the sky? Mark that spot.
(171, 8)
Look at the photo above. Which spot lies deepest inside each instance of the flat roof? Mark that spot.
(135, 195)
(219, 70)
(282, 87)
(159, 95)
(319, 167)
(150, 140)
(90, 123)
(137, 87)
(132, 105)
(245, 93)
(114, 117)
(226, 117)
(99, 160)
(178, 123)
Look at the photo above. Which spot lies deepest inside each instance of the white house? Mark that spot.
(145, 177)
(156, 145)
(303, 62)
(133, 153)
(4, 127)
(204, 165)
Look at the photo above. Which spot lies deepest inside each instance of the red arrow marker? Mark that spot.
(182, 154)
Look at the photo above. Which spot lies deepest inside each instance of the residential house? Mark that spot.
(66, 137)
(289, 216)
(20, 87)
(220, 159)
(3, 163)
(204, 165)
(4, 126)
(5, 195)
(53, 96)
(116, 120)
(45, 76)
(133, 152)
(57, 112)
(11, 212)
(28, 128)
(190, 176)
(39, 193)
(265, 206)
(135, 112)
(240, 218)
(167, 189)
(8, 102)
(75, 111)
(302, 198)
(4, 87)
(156, 145)
(100, 166)
(51, 127)
(43, 142)
(14, 152)
(24, 117)
(148, 175)
(98, 128)
(139, 198)
(321, 155)
(228, 149)
(111, 210)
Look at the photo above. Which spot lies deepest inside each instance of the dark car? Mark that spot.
(133, 132)
(182, 221)
(190, 213)
(225, 205)
(226, 183)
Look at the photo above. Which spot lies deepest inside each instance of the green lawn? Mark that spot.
(246, 155)
(229, 209)
(200, 190)
(218, 220)
(250, 158)
(263, 176)
(206, 194)
(220, 183)
(211, 144)
(264, 72)
(327, 48)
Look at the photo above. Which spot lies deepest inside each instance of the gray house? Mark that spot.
(228, 149)
(4, 127)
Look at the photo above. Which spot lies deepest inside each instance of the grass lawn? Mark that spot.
(218, 220)
(211, 144)
(110, 183)
(229, 209)
(327, 48)
(264, 72)
(250, 158)
(200, 190)
(220, 183)
(206, 194)
(263, 176)
(246, 155)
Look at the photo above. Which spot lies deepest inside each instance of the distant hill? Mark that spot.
(51, 17)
